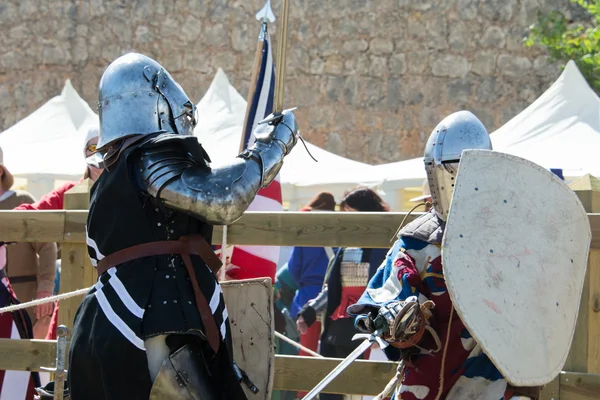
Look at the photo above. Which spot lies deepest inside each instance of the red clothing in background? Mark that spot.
(50, 201)
(54, 200)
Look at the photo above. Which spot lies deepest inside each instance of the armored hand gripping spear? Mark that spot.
(280, 59)
(280, 64)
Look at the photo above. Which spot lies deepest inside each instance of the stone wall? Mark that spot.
(371, 78)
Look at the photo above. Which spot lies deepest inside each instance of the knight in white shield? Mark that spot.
(408, 298)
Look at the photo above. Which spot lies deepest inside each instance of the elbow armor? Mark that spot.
(217, 195)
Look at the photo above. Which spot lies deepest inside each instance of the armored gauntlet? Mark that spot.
(271, 147)
(402, 322)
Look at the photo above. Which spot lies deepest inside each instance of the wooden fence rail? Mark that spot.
(297, 373)
(291, 372)
(298, 229)
(345, 229)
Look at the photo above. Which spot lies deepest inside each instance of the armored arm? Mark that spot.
(218, 195)
(319, 303)
(313, 307)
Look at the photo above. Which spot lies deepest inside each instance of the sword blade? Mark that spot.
(338, 370)
(60, 376)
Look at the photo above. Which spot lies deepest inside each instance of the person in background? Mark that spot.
(350, 272)
(285, 289)
(30, 266)
(307, 265)
(426, 197)
(14, 385)
(55, 201)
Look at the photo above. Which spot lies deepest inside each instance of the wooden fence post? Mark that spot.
(585, 350)
(76, 269)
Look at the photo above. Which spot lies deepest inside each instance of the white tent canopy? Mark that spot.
(561, 129)
(47, 145)
(221, 119)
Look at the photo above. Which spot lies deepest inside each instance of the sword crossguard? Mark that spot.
(374, 337)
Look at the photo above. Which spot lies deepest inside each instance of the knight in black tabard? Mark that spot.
(155, 324)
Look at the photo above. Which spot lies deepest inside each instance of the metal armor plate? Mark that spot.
(515, 255)
(250, 307)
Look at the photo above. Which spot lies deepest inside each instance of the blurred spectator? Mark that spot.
(17, 385)
(307, 265)
(285, 290)
(30, 266)
(55, 201)
(347, 279)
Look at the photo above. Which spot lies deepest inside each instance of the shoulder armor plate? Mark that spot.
(161, 161)
(427, 228)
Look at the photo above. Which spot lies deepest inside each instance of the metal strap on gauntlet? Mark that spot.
(408, 327)
(403, 322)
(271, 147)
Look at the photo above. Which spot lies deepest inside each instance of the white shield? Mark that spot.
(515, 253)
(250, 307)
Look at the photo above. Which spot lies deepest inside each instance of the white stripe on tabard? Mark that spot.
(118, 322)
(215, 299)
(223, 326)
(99, 285)
(124, 295)
(14, 386)
(92, 243)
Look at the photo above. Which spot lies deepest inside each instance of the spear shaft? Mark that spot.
(280, 60)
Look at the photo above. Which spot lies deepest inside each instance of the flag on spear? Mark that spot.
(259, 261)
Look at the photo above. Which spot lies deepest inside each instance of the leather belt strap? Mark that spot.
(192, 244)
(19, 279)
(185, 246)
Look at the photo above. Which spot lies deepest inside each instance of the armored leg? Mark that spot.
(156, 352)
(183, 375)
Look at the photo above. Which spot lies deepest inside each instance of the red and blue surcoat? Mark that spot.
(413, 267)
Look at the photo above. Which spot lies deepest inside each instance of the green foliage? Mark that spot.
(566, 41)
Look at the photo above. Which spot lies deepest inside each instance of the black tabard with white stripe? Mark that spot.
(142, 298)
